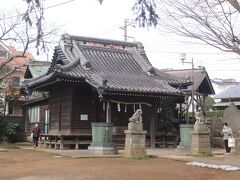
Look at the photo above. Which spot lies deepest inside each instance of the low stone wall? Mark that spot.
(218, 142)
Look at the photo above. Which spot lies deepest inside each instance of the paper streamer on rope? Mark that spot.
(119, 107)
(103, 106)
(123, 102)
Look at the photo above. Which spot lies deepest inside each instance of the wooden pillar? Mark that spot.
(49, 120)
(77, 143)
(60, 106)
(108, 112)
(50, 142)
(187, 109)
(198, 102)
(61, 142)
(180, 113)
(44, 142)
(55, 142)
(94, 110)
(204, 105)
(153, 128)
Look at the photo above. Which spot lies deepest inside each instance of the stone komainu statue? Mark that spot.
(137, 116)
(200, 124)
(199, 117)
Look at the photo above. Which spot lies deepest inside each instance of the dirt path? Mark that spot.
(30, 165)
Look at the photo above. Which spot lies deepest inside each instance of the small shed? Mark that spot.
(36, 68)
(201, 86)
(35, 107)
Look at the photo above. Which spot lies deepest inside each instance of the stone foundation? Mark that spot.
(135, 146)
(200, 142)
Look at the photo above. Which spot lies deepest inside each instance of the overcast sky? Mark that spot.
(89, 18)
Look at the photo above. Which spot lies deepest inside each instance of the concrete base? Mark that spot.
(102, 150)
(185, 136)
(200, 142)
(182, 148)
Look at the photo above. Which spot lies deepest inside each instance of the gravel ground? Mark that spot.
(23, 164)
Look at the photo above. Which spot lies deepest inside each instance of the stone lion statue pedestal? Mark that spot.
(200, 137)
(135, 147)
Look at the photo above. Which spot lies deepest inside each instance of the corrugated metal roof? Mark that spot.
(225, 104)
(39, 69)
(231, 92)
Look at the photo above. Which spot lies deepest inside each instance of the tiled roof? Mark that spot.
(102, 41)
(122, 65)
(171, 78)
(201, 78)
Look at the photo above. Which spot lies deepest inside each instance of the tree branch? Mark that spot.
(212, 22)
(7, 74)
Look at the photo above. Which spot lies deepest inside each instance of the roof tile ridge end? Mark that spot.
(85, 63)
(143, 62)
(68, 66)
(68, 54)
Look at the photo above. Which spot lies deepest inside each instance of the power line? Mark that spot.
(236, 70)
(175, 52)
(60, 4)
(49, 7)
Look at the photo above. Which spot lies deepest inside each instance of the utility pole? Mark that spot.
(183, 58)
(125, 29)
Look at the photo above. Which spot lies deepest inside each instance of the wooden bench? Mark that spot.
(168, 140)
(58, 141)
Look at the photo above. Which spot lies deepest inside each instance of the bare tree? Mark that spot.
(235, 4)
(215, 22)
(24, 30)
(146, 13)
